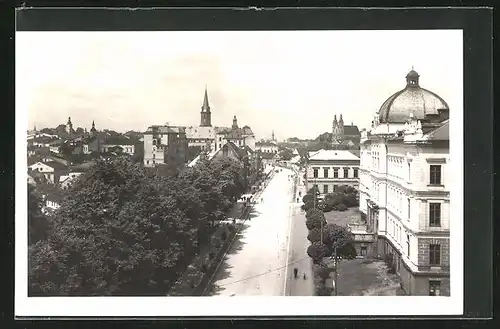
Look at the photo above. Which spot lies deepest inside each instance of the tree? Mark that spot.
(317, 251)
(341, 207)
(118, 232)
(314, 235)
(340, 237)
(38, 225)
(286, 154)
(315, 219)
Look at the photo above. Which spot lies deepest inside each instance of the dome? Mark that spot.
(247, 130)
(412, 99)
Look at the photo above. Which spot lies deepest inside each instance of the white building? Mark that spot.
(66, 180)
(164, 144)
(268, 147)
(404, 187)
(52, 170)
(330, 168)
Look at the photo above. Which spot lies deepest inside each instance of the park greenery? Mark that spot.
(342, 199)
(327, 239)
(125, 230)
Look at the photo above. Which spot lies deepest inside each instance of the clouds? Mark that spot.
(289, 81)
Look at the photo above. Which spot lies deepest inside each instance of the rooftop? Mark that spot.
(332, 155)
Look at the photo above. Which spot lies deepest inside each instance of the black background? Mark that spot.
(478, 116)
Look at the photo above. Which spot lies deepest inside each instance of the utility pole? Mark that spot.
(336, 273)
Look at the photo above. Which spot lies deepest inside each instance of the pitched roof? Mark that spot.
(351, 130)
(248, 149)
(440, 133)
(56, 165)
(333, 155)
(239, 151)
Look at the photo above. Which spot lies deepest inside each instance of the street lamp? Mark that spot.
(335, 262)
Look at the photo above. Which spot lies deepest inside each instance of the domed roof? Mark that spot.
(247, 130)
(412, 99)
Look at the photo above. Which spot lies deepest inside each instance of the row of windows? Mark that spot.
(326, 188)
(395, 167)
(335, 173)
(434, 249)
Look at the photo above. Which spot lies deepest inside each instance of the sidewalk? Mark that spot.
(189, 282)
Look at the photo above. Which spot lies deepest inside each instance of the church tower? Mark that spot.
(69, 126)
(341, 126)
(235, 123)
(205, 112)
(93, 130)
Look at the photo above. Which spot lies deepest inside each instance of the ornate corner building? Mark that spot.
(404, 187)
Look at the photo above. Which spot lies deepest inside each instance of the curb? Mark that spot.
(245, 213)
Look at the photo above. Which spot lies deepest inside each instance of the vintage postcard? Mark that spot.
(238, 173)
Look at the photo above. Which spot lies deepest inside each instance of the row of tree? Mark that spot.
(327, 240)
(125, 230)
(343, 198)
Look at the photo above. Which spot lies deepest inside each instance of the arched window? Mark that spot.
(154, 142)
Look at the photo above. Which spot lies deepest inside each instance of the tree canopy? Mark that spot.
(125, 230)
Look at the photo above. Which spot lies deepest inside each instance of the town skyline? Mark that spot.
(131, 80)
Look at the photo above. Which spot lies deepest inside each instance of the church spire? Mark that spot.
(206, 106)
(93, 130)
(205, 111)
(272, 136)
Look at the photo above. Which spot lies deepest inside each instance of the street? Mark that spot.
(256, 263)
(298, 257)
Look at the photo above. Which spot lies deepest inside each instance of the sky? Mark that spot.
(292, 82)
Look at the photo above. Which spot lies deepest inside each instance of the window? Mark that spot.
(409, 208)
(409, 171)
(147, 161)
(435, 255)
(434, 288)
(335, 173)
(363, 251)
(154, 156)
(355, 173)
(334, 188)
(435, 177)
(325, 172)
(154, 162)
(346, 173)
(408, 245)
(434, 214)
(315, 173)
(325, 189)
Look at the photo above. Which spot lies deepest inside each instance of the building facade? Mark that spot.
(404, 187)
(165, 145)
(328, 169)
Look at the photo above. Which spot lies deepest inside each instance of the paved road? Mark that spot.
(256, 264)
(298, 257)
